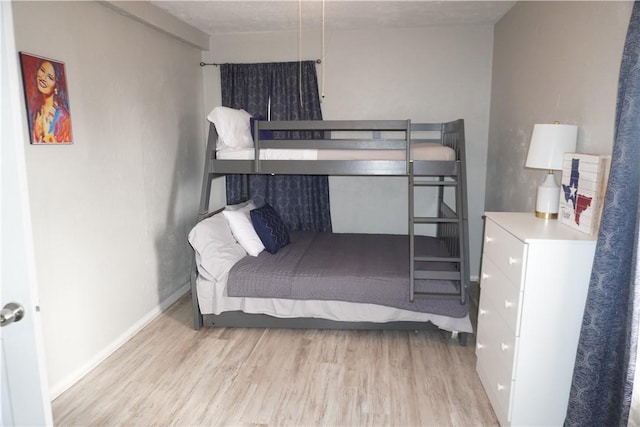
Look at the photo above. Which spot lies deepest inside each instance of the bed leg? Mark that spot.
(462, 338)
(195, 307)
(197, 317)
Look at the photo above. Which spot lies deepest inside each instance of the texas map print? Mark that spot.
(580, 201)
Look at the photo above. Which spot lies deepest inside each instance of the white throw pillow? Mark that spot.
(233, 127)
(242, 229)
(215, 248)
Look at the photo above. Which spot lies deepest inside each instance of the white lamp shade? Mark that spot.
(548, 145)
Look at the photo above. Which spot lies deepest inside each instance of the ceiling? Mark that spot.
(250, 16)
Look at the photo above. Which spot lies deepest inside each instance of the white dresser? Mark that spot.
(534, 281)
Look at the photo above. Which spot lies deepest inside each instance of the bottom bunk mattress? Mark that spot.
(217, 253)
(213, 299)
(358, 268)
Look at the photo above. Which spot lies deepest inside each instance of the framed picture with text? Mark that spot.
(47, 100)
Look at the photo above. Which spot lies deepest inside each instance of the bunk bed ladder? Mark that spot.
(453, 222)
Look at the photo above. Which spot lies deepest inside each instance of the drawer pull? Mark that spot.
(508, 304)
(504, 347)
(482, 312)
(489, 239)
(479, 346)
(485, 276)
(512, 260)
(500, 387)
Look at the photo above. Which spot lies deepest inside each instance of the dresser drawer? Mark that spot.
(497, 393)
(495, 351)
(495, 337)
(506, 251)
(505, 295)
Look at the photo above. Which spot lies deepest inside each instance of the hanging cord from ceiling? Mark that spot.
(322, 56)
(318, 61)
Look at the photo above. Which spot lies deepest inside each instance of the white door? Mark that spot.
(25, 394)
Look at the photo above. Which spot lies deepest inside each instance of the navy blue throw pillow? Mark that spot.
(269, 228)
(264, 134)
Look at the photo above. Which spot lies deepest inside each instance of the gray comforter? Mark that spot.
(362, 268)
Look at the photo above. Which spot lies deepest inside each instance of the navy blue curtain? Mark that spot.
(289, 91)
(244, 86)
(605, 362)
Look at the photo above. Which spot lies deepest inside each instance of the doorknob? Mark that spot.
(12, 312)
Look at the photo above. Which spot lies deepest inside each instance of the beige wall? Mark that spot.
(552, 61)
(112, 211)
(431, 74)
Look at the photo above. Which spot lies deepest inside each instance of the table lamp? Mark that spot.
(549, 142)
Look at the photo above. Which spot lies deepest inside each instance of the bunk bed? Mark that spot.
(431, 284)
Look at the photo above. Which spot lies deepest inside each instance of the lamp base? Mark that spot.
(546, 215)
(548, 198)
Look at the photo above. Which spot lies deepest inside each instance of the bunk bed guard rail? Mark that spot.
(339, 135)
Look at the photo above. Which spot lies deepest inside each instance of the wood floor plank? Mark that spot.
(169, 374)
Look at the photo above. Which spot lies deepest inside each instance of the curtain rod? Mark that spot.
(202, 64)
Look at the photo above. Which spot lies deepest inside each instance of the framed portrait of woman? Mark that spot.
(47, 100)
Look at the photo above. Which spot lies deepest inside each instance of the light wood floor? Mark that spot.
(169, 374)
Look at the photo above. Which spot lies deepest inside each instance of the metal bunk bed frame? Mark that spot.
(451, 223)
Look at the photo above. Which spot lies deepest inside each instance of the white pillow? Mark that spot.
(215, 248)
(233, 127)
(242, 229)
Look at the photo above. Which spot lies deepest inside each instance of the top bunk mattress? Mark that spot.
(419, 151)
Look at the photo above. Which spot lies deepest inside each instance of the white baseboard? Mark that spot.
(57, 389)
